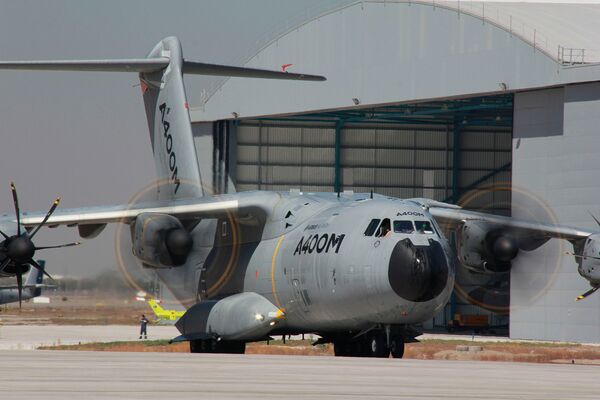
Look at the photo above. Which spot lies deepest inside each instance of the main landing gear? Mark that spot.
(371, 344)
(217, 346)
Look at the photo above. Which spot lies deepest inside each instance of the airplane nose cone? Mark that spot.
(418, 273)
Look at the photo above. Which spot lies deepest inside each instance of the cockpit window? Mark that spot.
(372, 226)
(424, 227)
(403, 227)
(384, 228)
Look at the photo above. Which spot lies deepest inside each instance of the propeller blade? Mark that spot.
(568, 253)
(58, 246)
(19, 282)
(16, 202)
(48, 214)
(595, 219)
(4, 263)
(586, 294)
(39, 268)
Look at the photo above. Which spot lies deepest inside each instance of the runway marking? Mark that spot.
(275, 297)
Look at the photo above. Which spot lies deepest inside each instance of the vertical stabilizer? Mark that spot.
(167, 111)
(170, 126)
(35, 276)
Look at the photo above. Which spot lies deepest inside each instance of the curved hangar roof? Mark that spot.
(386, 52)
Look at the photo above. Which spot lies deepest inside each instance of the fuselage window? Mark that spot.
(403, 227)
(372, 226)
(424, 227)
(384, 228)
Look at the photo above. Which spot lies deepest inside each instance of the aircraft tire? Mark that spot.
(342, 348)
(377, 345)
(231, 347)
(397, 346)
(196, 346)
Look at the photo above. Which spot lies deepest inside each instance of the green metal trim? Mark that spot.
(337, 186)
(505, 167)
(456, 144)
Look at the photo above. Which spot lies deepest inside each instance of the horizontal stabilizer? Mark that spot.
(148, 65)
(197, 68)
(125, 65)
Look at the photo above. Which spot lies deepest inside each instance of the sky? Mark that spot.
(83, 135)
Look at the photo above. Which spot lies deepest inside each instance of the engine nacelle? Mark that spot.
(10, 270)
(161, 241)
(589, 259)
(484, 248)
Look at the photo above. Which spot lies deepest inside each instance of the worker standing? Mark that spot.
(143, 327)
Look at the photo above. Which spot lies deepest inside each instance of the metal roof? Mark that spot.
(384, 52)
(566, 25)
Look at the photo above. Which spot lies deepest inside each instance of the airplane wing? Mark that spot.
(457, 216)
(488, 243)
(256, 204)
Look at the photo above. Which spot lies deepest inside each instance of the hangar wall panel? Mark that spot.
(400, 161)
(556, 156)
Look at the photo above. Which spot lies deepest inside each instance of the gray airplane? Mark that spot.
(32, 287)
(357, 269)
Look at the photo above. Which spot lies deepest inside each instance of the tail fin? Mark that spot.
(161, 77)
(34, 277)
(155, 307)
(168, 116)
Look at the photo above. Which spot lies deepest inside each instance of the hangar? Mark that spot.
(434, 99)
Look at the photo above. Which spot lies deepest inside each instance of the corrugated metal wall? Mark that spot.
(396, 160)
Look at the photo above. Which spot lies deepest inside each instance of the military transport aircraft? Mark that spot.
(31, 288)
(357, 269)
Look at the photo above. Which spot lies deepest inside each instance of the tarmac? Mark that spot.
(29, 337)
(26, 374)
(101, 375)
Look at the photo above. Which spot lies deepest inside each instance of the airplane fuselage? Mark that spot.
(327, 273)
(12, 295)
(331, 263)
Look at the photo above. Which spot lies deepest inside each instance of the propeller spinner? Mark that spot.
(19, 249)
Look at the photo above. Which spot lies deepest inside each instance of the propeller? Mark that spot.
(586, 294)
(582, 258)
(483, 290)
(19, 249)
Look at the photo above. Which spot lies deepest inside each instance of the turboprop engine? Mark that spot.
(160, 240)
(484, 248)
(588, 260)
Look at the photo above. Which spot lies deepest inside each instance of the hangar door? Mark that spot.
(398, 160)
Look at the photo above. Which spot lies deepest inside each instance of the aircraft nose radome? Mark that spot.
(418, 273)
